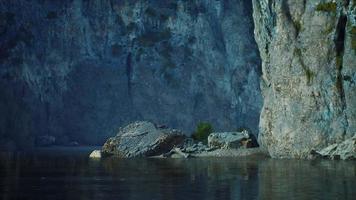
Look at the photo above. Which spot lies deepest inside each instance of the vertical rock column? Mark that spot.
(308, 51)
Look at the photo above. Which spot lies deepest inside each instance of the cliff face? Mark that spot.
(308, 50)
(79, 68)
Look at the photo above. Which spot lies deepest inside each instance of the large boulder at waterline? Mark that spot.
(230, 140)
(142, 139)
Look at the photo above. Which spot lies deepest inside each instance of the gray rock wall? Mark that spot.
(78, 69)
(308, 51)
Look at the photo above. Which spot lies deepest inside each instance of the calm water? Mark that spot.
(69, 174)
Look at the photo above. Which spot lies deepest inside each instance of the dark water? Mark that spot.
(69, 174)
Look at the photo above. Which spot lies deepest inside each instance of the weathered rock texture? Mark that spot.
(229, 140)
(345, 150)
(142, 139)
(79, 68)
(308, 49)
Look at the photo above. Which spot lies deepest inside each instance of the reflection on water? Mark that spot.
(71, 175)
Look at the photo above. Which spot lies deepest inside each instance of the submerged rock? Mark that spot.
(142, 139)
(230, 140)
(95, 154)
(345, 150)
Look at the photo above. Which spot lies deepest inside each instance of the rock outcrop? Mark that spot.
(79, 68)
(142, 139)
(96, 154)
(230, 140)
(345, 150)
(308, 51)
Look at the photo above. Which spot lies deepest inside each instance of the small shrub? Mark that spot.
(202, 132)
(327, 7)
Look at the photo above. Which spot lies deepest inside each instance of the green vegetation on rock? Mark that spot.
(298, 26)
(327, 7)
(308, 73)
(202, 132)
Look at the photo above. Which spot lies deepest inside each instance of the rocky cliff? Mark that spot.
(78, 69)
(308, 49)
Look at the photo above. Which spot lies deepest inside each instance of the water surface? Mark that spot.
(69, 174)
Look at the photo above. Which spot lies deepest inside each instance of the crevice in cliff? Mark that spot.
(347, 3)
(272, 16)
(340, 46)
(296, 23)
(269, 18)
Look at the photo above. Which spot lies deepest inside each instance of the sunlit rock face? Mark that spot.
(78, 69)
(308, 49)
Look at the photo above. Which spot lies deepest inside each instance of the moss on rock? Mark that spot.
(327, 7)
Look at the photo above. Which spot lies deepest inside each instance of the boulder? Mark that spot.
(95, 154)
(143, 139)
(345, 150)
(230, 140)
(191, 147)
